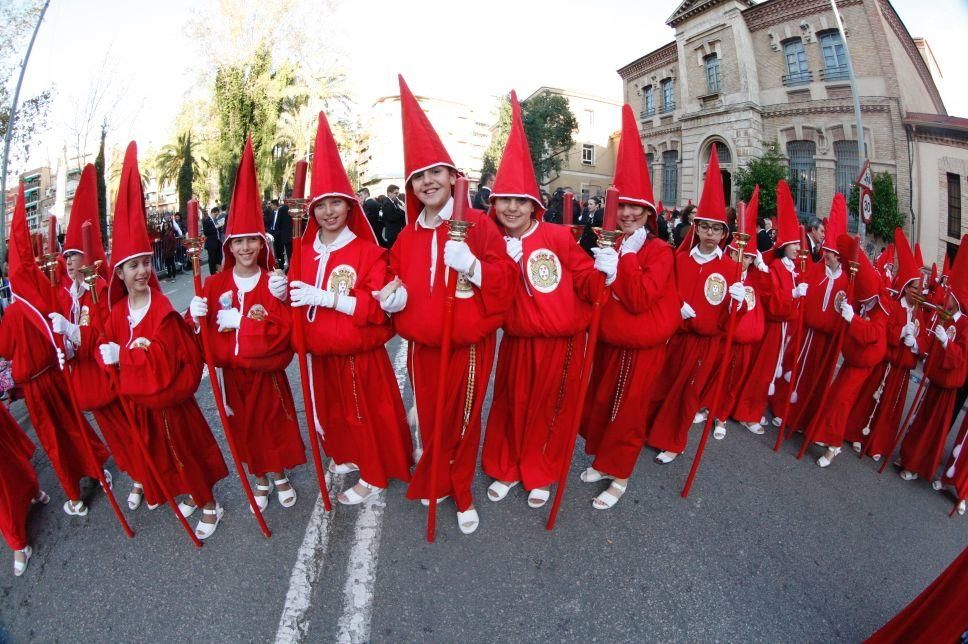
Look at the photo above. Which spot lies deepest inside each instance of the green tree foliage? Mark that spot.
(180, 163)
(549, 125)
(102, 190)
(186, 175)
(886, 215)
(764, 171)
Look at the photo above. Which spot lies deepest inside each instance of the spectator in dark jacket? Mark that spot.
(281, 230)
(482, 200)
(685, 224)
(394, 216)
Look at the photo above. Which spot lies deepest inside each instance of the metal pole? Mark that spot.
(861, 153)
(10, 125)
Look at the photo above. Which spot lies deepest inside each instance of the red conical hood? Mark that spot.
(129, 238)
(27, 281)
(749, 224)
(917, 255)
(329, 179)
(631, 168)
(958, 283)
(422, 147)
(515, 175)
(712, 203)
(907, 266)
(245, 212)
(788, 226)
(85, 209)
(836, 223)
(868, 282)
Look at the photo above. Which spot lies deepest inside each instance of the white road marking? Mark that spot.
(354, 624)
(309, 563)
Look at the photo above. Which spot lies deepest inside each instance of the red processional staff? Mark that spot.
(742, 239)
(297, 211)
(607, 238)
(802, 256)
(457, 228)
(51, 265)
(852, 248)
(90, 273)
(194, 245)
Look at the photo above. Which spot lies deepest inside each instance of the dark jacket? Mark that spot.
(394, 219)
(213, 240)
(282, 231)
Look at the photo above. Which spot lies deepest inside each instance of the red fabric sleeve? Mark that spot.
(374, 278)
(641, 278)
(498, 271)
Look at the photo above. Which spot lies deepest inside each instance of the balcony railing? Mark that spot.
(668, 107)
(647, 114)
(834, 73)
(798, 78)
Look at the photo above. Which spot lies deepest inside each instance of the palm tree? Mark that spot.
(169, 161)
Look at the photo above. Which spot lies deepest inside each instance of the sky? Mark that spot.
(145, 56)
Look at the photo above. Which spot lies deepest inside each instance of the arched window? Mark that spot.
(722, 151)
(803, 176)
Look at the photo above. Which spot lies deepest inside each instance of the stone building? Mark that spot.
(746, 76)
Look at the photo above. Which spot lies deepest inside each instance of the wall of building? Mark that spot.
(933, 162)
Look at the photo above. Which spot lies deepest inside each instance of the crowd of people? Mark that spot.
(714, 303)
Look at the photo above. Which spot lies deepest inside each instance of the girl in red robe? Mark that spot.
(249, 332)
(359, 411)
(159, 365)
(18, 489)
(539, 362)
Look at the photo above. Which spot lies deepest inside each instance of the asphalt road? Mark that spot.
(766, 549)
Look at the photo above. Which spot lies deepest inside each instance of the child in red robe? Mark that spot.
(18, 489)
(159, 365)
(422, 259)
(249, 332)
(539, 362)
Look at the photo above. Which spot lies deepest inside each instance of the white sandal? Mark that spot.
(497, 490)
(828, 457)
(538, 497)
(908, 476)
(261, 500)
(719, 430)
(108, 479)
(664, 458)
(205, 530)
(186, 509)
(20, 566)
(286, 498)
(350, 496)
(606, 499)
(136, 496)
(962, 507)
(756, 428)
(591, 475)
(42, 498)
(342, 468)
(468, 521)
(426, 502)
(79, 510)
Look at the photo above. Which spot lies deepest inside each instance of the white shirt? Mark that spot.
(246, 284)
(444, 215)
(831, 278)
(702, 258)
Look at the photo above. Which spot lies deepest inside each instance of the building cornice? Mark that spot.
(921, 136)
(774, 12)
(652, 60)
(819, 107)
(691, 8)
(897, 25)
(651, 134)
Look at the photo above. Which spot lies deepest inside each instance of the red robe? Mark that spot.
(638, 319)
(865, 344)
(253, 361)
(781, 315)
(27, 342)
(92, 385)
(695, 352)
(540, 359)
(18, 481)
(478, 312)
(159, 370)
(945, 370)
(820, 323)
(358, 406)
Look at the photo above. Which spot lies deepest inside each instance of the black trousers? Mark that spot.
(214, 259)
(282, 249)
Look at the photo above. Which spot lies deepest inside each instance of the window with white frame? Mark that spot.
(649, 100)
(587, 154)
(668, 95)
(713, 82)
(834, 56)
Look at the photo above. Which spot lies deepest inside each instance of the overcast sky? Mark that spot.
(474, 54)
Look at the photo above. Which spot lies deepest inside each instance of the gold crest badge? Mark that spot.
(839, 300)
(85, 317)
(257, 313)
(750, 298)
(952, 330)
(139, 343)
(544, 270)
(715, 289)
(342, 279)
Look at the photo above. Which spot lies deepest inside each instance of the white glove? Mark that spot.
(634, 242)
(458, 255)
(278, 286)
(908, 329)
(606, 261)
(62, 326)
(760, 264)
(60, 356)
(228, 319)
(395, 301)
(198, 308)
(942, 335)
(110, 353)
(687, 311)
(513, 245)
(800, 290)
(911, 342)
(847, 312)
(737, 291)
(302, 294)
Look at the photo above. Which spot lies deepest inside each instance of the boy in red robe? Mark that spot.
(419, 260)
(159, 364)
(702, 281)
(539, 363)
(639, 316)
(249, 332)
(18, 489)
(27, 341)
(359, 412)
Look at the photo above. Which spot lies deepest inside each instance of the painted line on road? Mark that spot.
(309, 562)
(354, 624)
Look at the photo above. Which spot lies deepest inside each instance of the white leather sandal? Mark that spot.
(20, 566)
(468, 521)
(286, 498)
(426, 502)
(497, 491)
(591, 475)
(350, 496)
(538, 497)
(342, 468)
(261, 500)
(664, 458)
(186, 509)
(719, 430)
(136, 496)
(42, 498)
(79, 510)
(606, 499)
(205, 530)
